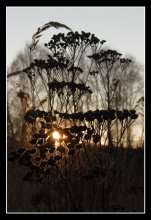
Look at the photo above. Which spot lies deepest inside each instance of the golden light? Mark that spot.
(47, 138)
(64, 136)
(57, 144)
(56, 135)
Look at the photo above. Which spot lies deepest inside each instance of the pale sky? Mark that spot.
(122, 27)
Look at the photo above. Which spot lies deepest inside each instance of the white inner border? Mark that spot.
(144, 133)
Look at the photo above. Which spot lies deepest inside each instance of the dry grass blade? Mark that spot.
(15, 73)
(42, 102)
(45, 27)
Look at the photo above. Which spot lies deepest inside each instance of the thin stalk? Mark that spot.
(68, 189)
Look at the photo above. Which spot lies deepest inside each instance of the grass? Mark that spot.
(121, 190)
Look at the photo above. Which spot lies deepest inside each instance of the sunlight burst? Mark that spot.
(56, 135)
(57, 144)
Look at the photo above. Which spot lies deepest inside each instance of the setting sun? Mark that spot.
(56, 135)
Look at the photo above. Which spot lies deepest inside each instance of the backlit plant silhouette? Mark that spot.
(66, 158)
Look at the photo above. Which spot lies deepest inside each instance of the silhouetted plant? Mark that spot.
(66, 142)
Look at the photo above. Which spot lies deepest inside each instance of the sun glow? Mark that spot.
(56, 135)
(64, 136)
(57, 144)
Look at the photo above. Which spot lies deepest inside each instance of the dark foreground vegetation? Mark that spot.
(117, 186)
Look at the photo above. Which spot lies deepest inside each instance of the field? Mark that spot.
(121, 190)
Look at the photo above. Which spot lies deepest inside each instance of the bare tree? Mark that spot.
(106, 61)
(19, 92)
(129, 89)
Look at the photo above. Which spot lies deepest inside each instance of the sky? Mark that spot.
(122, 27)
